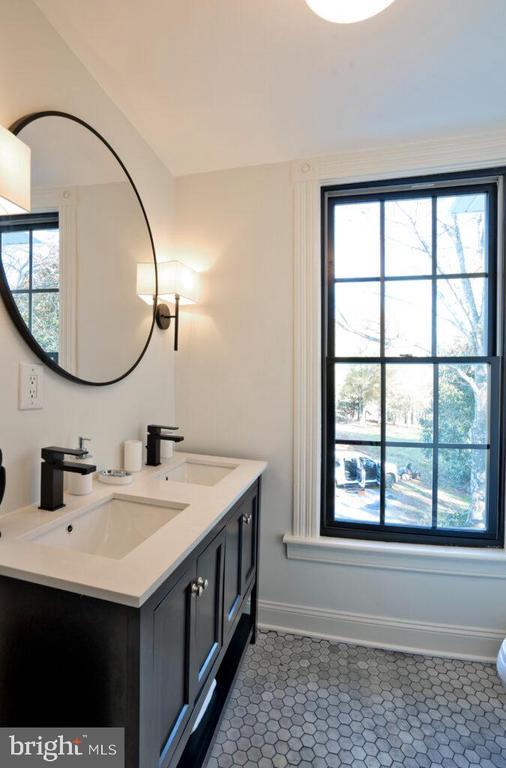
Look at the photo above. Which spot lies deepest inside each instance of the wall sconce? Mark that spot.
(177, 284)
(15, 191)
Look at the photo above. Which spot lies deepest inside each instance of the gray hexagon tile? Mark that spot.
(317, 704)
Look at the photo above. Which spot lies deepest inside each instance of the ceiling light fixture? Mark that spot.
(347, 11)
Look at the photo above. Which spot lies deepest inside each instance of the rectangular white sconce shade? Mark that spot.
(15, 192)
(174, 279)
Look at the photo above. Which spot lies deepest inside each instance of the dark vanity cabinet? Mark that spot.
(149, 670)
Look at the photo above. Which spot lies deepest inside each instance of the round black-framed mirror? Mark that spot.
(68, 269)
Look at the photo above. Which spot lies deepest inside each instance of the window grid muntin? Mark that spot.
(435, 370)
(383, 385)
(391, 531)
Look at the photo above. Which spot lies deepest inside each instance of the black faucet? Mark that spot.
(155, 435)
(52, 469)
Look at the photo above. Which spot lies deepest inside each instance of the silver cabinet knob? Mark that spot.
(204, 583)
(199, 586)
(247, 518)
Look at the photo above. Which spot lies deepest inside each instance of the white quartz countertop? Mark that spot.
(132, 579)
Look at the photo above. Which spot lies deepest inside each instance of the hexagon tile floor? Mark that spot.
(318, 704)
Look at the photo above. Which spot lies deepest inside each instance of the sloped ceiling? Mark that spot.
(214, 84)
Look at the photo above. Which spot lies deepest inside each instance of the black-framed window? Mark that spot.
(30, 254)
(412, 360)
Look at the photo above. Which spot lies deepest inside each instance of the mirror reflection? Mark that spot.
(70, 264)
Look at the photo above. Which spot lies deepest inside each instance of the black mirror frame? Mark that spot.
(5, 291)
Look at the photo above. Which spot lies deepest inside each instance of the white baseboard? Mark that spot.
(429, 639)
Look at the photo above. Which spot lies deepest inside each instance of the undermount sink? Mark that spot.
(197, 473)
(112, 529)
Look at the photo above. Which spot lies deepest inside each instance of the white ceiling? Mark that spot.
(224, 83)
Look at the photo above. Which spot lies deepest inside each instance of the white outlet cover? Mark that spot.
(31, 387)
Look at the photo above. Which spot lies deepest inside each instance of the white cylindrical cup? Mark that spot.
(166, 449)
(132, 455)
(80, 485)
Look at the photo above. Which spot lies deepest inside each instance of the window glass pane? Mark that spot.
(16, 259)
(409, 395)
(46, 258)
(357, 242)
(462, 492)
(357, 392)
(408, 237)
(408, 493)
(461, 317)
(357, 477)
(461, 233)
(22, 303)
(357, 319)
(463, 403)
(408, 318)
(45, 321)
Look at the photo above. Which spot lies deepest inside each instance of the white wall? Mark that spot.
(111, 238)
(233, 384)
(234, 396)
(37, 72)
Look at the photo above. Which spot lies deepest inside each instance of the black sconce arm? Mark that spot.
(164, 316)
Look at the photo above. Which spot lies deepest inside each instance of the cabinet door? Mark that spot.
(173, 621)
(240, 556)
(232, 581)
(208, 600)
(249, 542)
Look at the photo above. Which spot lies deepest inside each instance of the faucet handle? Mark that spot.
(54, 453)
(155, 429)
(82, 446)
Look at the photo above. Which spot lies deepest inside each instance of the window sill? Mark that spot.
(416, 558)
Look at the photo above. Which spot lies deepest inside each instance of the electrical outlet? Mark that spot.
(30, 387)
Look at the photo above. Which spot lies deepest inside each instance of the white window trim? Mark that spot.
(486, 150)
(64, 202)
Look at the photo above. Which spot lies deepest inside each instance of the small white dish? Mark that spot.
(115, 477)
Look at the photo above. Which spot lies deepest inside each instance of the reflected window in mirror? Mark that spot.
(30, 253)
